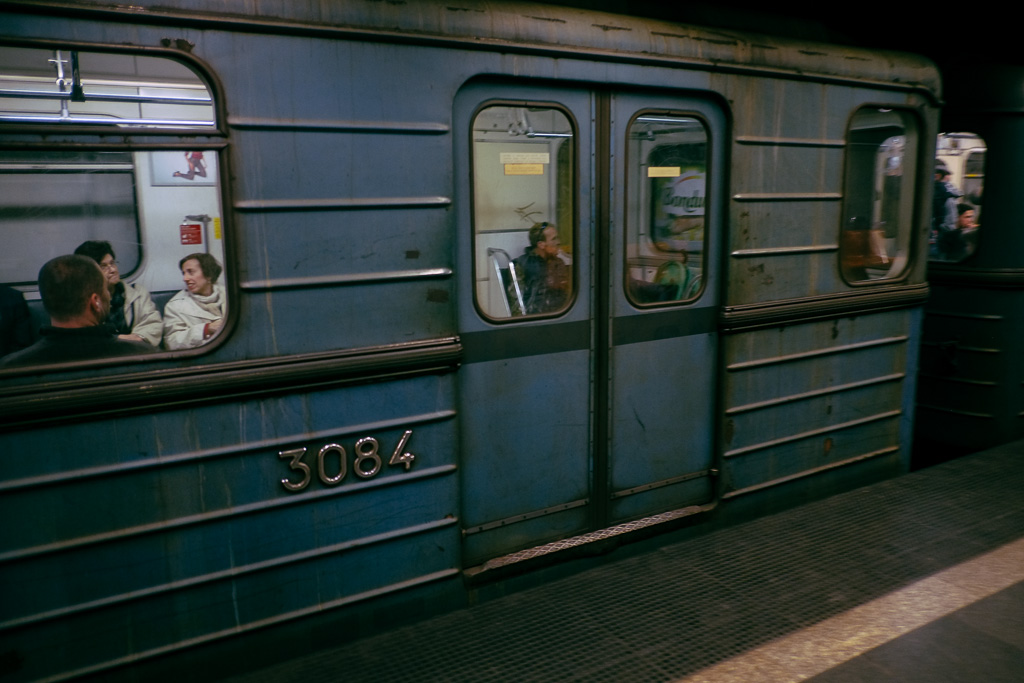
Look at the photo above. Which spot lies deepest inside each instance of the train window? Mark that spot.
(140, 212)
(666, 175)
(523, 210)
(52, 201)
(956, 197)
(72, 87)
(878, 197)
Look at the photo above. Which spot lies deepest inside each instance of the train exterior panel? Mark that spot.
(392, 419)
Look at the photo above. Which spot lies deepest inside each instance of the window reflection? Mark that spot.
(523, 188)
(878, 197)
(959, 184)
(666, 188)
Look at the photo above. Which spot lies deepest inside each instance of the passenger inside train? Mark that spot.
(963, 238)
(75, 295)
(542, 271)
(195, 314)
(957, 196)
(132, 311)
(135, 213)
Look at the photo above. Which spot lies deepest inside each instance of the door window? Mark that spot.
(667, 161)
(523, 211)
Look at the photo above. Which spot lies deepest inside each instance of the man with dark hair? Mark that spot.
(76, 296)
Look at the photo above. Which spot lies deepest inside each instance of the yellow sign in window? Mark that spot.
(524, 169)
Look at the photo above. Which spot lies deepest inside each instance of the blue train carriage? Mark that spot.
(500, 285)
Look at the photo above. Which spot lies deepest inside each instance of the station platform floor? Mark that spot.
(918, 579)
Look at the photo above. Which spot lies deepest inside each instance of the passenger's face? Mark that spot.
(967, 219)
(549, 247)
(109, 267)
(195, 281)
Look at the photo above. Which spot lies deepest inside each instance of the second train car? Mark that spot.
(501, 283)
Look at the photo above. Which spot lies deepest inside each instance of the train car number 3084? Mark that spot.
(367, 462)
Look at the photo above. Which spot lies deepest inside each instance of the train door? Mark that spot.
(587, 316)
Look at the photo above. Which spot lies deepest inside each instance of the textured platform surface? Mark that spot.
(684, 610)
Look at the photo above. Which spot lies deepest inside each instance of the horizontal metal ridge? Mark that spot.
(79, 119)
(989, 278)
(964, 316)
(814, 394)
(342, 203)
(815, 353)
(643, 488)
(954, 411)
(136, 657)
(224, 513)
(339, 280)
(787, 142)
(958, 380)
(787, 197)
(784, 251)
(72, 476)
(497, 524)
(231, 573)
(959, 348)
(862, 300)
(810, 472)
(57, 402)
(812, 433)
(320, 126)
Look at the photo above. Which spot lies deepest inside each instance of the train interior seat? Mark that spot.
(508, 280)
(40, 318)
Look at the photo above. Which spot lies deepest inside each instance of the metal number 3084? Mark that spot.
(367, 462)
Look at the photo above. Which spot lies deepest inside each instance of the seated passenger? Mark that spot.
(132, 311)
(546, 279)
(956, 243)
(196, 313)
(15, 321)
(76, 296)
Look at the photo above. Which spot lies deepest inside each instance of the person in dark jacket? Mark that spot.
(546, 278)
(15, 321)
(944, 235)
(76, 296)
(132, 310)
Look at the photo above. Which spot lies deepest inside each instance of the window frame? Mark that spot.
(627, 218)
(35, 136)
(910, 201)
(573, 210)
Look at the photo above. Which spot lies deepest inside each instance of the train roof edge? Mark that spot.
(518, 25)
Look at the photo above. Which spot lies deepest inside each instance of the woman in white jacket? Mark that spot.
(132, 311)
(194, 315)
